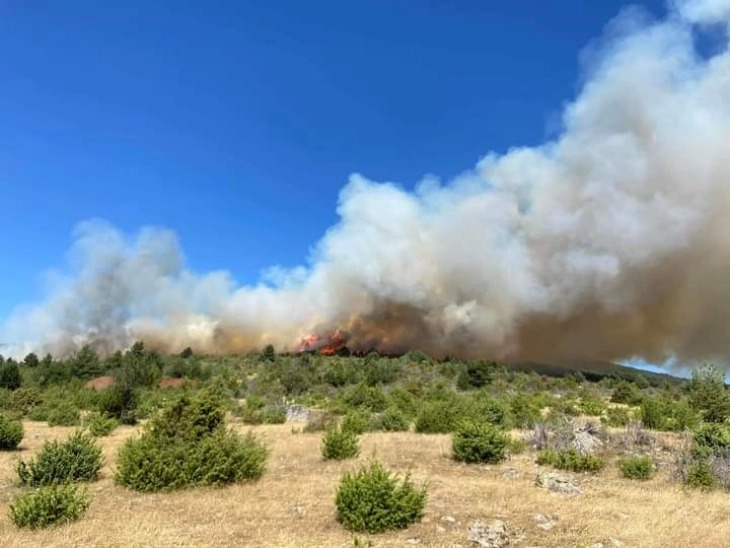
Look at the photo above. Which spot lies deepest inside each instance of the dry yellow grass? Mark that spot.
(293, 505)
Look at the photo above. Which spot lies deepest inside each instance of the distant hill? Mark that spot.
(594, 370)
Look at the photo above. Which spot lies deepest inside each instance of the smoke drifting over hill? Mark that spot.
(613, 240)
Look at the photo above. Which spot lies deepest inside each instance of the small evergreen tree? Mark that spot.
(10, 375)
(707, 393)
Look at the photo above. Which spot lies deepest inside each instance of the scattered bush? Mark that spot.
(391, 420)
(438, 417)
(11, 433)
(591, 406)
(78, 458)
(145, 464)
(475, 375)
(49, 505)
(653, 414)
(616, 417)
(658, 413)
(10, 377)
(572, 460)
(101, 425)
(63, 414)
(187, 444)
(356, 422)
(562, 409)
(24, 399)
(711, 438)
(372, 500)
(626, 392)
(362, 396)
(120, 402)
(525, 411)
(256, 410)
(640, 468)
(700, 476)
(484, 407)
(479, 442)
(708, 393)
(339, 444)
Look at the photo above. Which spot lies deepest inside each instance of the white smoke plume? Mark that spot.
(611, 241)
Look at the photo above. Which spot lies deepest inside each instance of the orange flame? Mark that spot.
(327, 345)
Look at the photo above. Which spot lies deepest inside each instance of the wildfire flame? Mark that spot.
(327, 344)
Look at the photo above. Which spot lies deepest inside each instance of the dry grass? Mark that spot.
(293, 504)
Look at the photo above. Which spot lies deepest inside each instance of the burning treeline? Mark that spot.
(612, 240)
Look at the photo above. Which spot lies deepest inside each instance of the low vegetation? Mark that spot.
(101, 425)
(373, 500)
(479, 442)
(49, 505)
(187, 444)
(638, 468)
(78, 458)
(571, 459)
(340, 443)
(11, 433)
(671, 433)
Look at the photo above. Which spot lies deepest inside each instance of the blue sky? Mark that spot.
(237, 123)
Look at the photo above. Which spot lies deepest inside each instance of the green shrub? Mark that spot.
(659, 413)
(11, 433)
(653, 413)
(145, 464)
(493, 410)
(681, 416)
(188, 418)
(362, 396)
(38, 413)
(187, 444)
(626, 392)
(525, 411)
(708, 393)
(479, 442)
(700, 476)
(379, 371)
(591, 406)
(572, 460)
(49, 505)
(437, 417)
(78, 458)
(340, 444)
(120, 402)
(640, 468)
(391, 420)
(616, 417)
(711, 438)
(101, 425)
(256, 410)
(372, 500)
(10, 376)
(475, 375)
(356, 422)
(563, 408)
(405, 401)
(63, 414)
(340, 372)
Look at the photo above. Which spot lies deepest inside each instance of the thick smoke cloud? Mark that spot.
(611, 241)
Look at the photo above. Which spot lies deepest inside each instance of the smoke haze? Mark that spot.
(611, 241)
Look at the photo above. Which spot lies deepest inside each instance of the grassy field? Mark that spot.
(292, 505)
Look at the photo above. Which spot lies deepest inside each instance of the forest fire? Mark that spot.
(327, 345)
